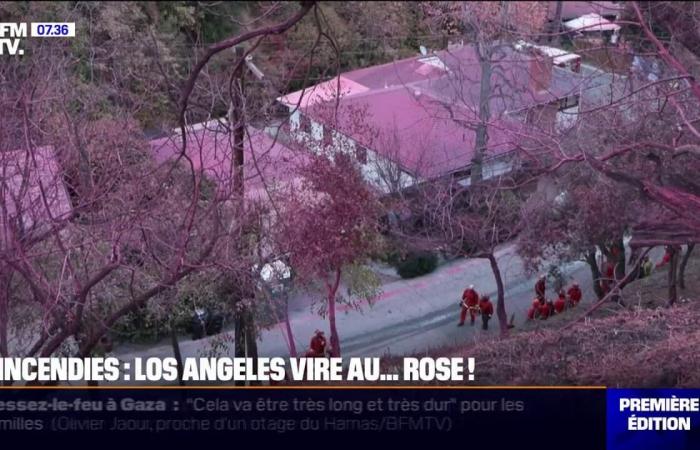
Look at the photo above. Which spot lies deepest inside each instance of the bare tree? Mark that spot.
(128, 228)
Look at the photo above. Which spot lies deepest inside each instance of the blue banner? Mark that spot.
(617, 419)
(642, 419)
(475, 418)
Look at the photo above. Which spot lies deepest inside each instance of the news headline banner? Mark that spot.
(227, 370)
(653, 418)
(316, 417)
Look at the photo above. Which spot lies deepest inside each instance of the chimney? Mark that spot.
(540, 67)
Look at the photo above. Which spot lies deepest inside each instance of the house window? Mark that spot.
(568, 102)
(567, 116)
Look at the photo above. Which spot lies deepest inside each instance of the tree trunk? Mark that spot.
(335, 338)
(595, 273)
(237, 122)
(618, 286)
(245, 342)
(684, 263)
(482, 136)
(239, 345)
(555, 28)
(251, 342)
(500, 303)
(4, 312)
(85, 180)
(632, 262)
(618, 255)
(288, 325)
(620, 260)
(178, 355)
(672, 276)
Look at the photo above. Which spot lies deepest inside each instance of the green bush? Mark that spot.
(172, 308)
(416, 264)
(392, 257)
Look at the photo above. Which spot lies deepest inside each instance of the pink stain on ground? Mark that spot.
(394, 293)
(454, 270)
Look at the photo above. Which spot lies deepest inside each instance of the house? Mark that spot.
(601, 41)
(32, 193)
(560, 58)
(267, 162)
(593, 25)
(415, 118)
(571, 10)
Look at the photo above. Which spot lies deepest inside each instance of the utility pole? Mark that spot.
(245, 344)
(555, 28)
(236, 122)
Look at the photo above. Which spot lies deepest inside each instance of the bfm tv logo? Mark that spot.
(11, 35)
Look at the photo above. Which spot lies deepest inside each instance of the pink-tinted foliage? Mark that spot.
(330, 221)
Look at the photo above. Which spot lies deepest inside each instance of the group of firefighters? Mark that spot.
(474, 305)
(542, 308)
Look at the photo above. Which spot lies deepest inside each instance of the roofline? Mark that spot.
(387, 64)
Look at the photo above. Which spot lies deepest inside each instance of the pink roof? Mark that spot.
(510, 80)
(322, 92)
(415, 131)
(405, 113)
(453, 75)
(397, 73)
(591, 22)
(32, 192)
(210, 151)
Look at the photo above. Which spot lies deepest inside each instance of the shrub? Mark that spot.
(416, 264)
(173, 308)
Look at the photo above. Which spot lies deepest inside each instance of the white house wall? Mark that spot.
(372, 171)
(567, 118)
(342, 143)
(492, 168)
(316, 131)
(294, 118)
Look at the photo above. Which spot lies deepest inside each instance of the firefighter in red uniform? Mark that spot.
(486, 308)
(550, 304)
(544, 310)
(574, 294)
(560, 303)
(318, 346)
(534, 310)
(539, 288)
(608, 278)
(470, 302)
(667, 257)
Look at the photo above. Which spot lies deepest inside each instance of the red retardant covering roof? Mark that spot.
(421, 112)
(210, 150)
(32, 192)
